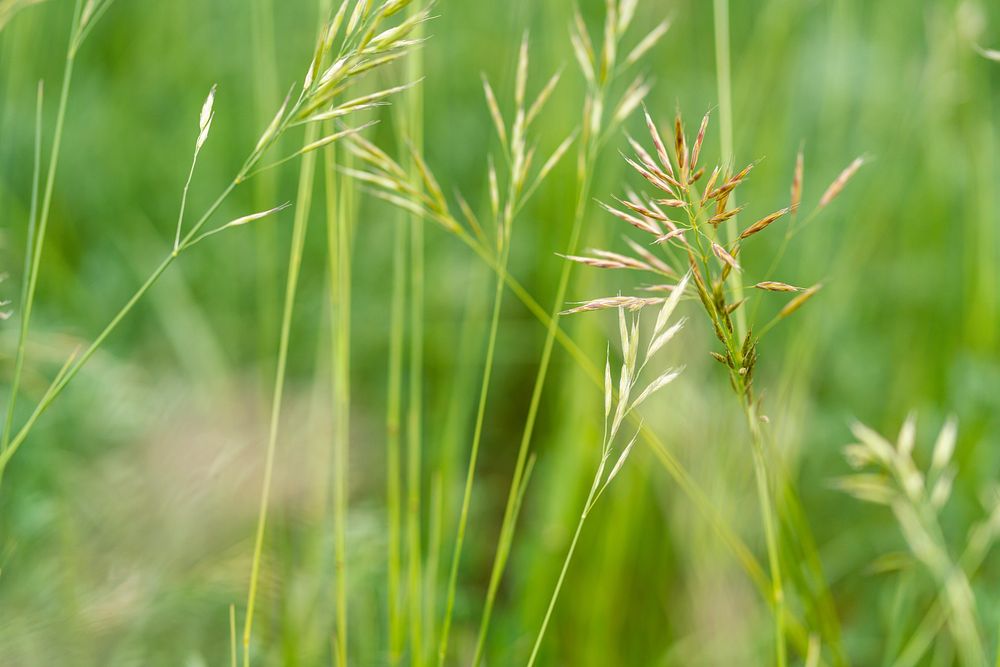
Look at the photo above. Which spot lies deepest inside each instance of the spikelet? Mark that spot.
(840, 182)
(630, 303)
(774, 286)
(761, 224)
(797, 182)
(725, 257)
(798, 301)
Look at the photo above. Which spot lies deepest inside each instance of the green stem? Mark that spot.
(304, 199)
(770, 529)
(474, 453)
(60, 384)
(27, 294)
(36, 241)
(562, 573)
(585, 170)
(414, 455)
(724, 80)
(338, 218)
(392, 428)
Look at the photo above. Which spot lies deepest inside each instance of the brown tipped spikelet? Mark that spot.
(762, 223)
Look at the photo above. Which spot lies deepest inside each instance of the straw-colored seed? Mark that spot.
(775, 286)
(761, 224)
(725, 257)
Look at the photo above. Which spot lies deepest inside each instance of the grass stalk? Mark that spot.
(585, 167)
(397, 319)
(474, 452)
(266, 97)
(725, 93)
(37, 228)
(76, 363)
(27, 294)
(304, 199)
(339, 213)
(562, 576)
(414, 422)
(768, 515)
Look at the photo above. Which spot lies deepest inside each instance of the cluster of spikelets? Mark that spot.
(619, 402)
(684, 219)
(353, 43)
(508, 190)
(916, 499)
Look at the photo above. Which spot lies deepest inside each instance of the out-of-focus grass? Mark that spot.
(126, 520)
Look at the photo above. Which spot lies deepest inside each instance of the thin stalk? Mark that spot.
(414, 455)
(585, 168)
(474, 451)
(770, 529)
(434, 535)
(339, 211)
(232, 635)
(724, 81)
(75, 366)
(36, 237)
(562, 574)
(266, 97)
(26, 294)
(304, 199)
(393, 445)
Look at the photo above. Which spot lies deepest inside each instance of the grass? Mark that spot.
(431, 479)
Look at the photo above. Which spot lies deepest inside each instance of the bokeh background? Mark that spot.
(126, 520)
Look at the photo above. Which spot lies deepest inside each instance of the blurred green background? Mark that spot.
(126, 520)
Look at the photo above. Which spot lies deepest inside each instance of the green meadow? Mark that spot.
(609, 332)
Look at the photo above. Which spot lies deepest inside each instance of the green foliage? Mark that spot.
(127, 516)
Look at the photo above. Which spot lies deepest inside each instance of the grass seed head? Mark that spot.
(629, 303)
